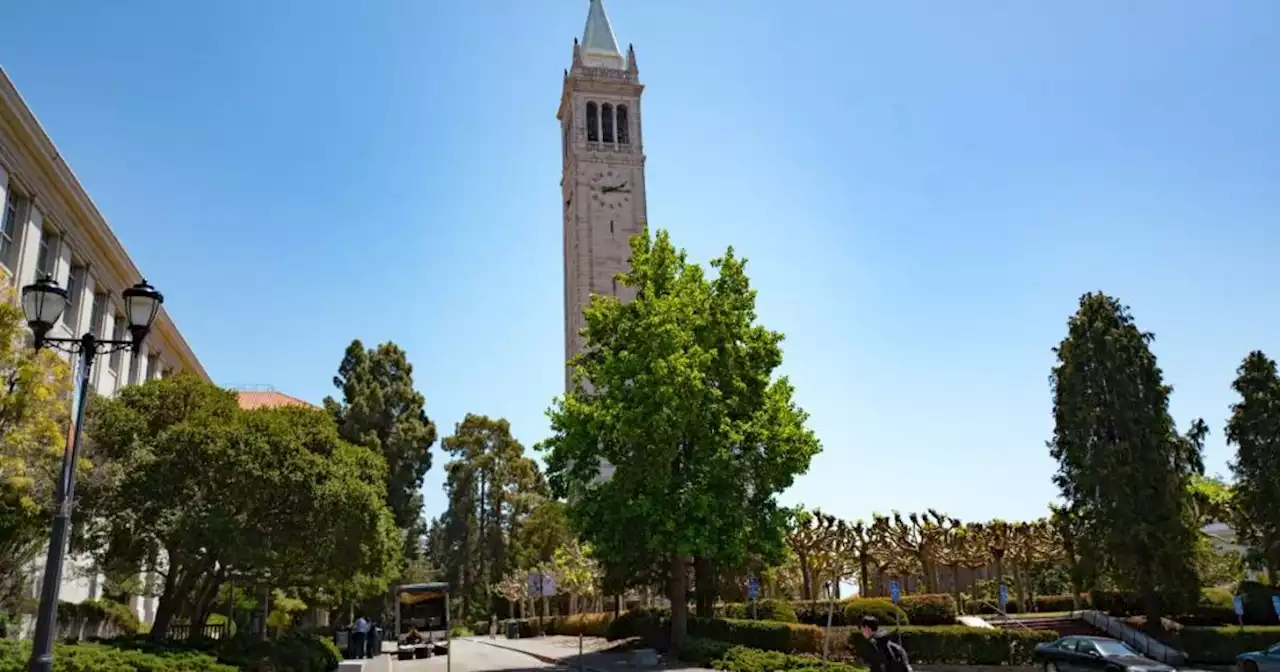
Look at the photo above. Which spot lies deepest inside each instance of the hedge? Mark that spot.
(962, 645)
(103, 658)
(885, 611)
(743, 659)
(292, 652)
(1214, 607)
(654, 626)
(1221, 645)
(1040, 603)
(781, 611)
(928, 609)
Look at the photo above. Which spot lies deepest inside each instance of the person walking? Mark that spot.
(880, 652)
(360, 638)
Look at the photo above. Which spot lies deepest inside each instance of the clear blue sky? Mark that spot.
(924, 189)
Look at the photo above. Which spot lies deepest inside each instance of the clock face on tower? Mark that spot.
(610, 190)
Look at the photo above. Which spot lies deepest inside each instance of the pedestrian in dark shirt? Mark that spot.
(881, 653)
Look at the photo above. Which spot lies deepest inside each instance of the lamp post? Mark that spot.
(43, 302)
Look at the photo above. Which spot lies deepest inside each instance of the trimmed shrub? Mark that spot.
(928, 609)
(102, 658)
(702, 651)
(292, 652)
(1220, 646)
(961, 645)
(743, 659)
(883, 609)
(815, 613)
(764, 610)
(654, 627)
(1257, 603)
(1041, 603)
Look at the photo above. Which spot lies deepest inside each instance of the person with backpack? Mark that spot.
(881, 653)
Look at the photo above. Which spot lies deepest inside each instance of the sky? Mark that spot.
(923, 190)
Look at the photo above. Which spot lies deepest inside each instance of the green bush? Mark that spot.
(97, 611)
(1041, 603)
(292, 652)
(1221, 645)
(653, 626)
(928, 609)
(883, 609)
(1258, 609)
(702, 651)
(102, 658)
(763, 610)
(743, 659)
(815, 612)
(961, 645)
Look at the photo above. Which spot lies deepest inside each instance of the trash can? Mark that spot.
(342, 639)
(513, 629)
(375, 642)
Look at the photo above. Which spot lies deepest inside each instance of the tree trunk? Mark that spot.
(678, 593)
(955, 587)
(806, 574)
(864, 576)
(704, 588)
(172, 601)
(1155, 615)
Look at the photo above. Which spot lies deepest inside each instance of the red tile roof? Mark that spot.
(251, 400)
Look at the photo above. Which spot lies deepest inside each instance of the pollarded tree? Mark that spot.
(1254, 428)
(861, 546)
(381, 410)
(809, 536)
(1122, 466)
(677, 390)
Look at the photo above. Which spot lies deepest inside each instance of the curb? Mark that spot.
(550, 660)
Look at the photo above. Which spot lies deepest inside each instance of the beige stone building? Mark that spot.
(602, 181)
(49, 225)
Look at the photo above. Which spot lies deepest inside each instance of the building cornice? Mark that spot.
(60, 194)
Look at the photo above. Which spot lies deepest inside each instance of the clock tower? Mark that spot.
(602, 181)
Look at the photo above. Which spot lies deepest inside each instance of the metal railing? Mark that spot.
(1144, 643)
(1006, 617)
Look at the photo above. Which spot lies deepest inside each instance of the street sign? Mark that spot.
(894, 592)
(1275, 604)
(542, 584)
(753, 588)
(1004, 597)
(1239, 604)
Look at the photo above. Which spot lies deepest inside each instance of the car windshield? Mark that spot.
(1110, 647)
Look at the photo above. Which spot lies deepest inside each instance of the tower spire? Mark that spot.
(599, 47)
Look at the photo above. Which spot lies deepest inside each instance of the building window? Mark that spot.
(9, 226)
(593, 116)
(75, 286)
(96, 313)
(623, 135)
(135, 367)
(48, 254)
(606, 121)
(117, 333)
(153, 366)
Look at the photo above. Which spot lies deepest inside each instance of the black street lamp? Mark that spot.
(43, 302)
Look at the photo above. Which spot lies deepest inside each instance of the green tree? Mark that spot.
(1123, 470)
(381, 410)
(202, 494)
(34, 391)
(490, 483)
(676, 389)
(1254, 429)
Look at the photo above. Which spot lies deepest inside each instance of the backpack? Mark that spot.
(895, 657)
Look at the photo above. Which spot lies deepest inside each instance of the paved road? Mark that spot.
(477, 657)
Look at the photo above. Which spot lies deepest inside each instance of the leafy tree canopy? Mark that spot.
(1254, 429)
(676, 389)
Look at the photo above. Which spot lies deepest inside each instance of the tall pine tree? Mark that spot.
(1123, 469)
(380, 409)
(1254, 428)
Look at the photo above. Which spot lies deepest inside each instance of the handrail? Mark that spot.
(1007, 617)
(1140, 640)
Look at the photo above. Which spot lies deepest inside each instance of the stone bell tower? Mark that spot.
(602, 181)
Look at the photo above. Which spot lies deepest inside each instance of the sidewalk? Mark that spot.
(596, 656)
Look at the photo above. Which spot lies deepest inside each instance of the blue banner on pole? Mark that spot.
(1275, 604)
(894, 592)
(753, 588)
(1238, 602)
(1004, 597)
